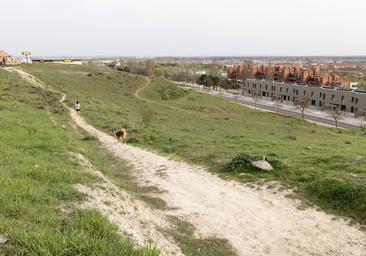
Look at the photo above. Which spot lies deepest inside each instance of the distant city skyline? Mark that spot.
(184, 28)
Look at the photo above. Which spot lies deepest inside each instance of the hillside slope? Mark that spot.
(187, 199)
(325, 166)
(39, 213)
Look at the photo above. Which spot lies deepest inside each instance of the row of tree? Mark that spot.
(141, 68)
(215, 82)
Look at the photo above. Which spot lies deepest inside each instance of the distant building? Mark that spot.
(6, 59)
(321, 97)
(290, 74)
(199, 73)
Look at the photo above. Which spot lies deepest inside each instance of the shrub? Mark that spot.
(336, 189)
(291, 137)
(171, 92)
(240, 161)
(243, 161)
(89, 138)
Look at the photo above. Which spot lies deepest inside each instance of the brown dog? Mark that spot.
(121, 134)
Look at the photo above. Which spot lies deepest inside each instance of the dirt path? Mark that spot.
(131, 216)
(255, 222)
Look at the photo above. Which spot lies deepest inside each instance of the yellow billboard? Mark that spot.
(67, 61)
(26, 53)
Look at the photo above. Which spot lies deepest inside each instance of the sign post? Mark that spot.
(26, 54)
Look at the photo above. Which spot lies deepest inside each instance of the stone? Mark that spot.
(263, 165)
(3, 239)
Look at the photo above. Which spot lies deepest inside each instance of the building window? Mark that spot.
(266, 87)
(312, 94)
(356, 100)
(323, 96)
(297, 92)
(320, 95)
(342, 99)
(353, 99)
(304, 92)
(286, 90)
(333, 97)
(280, 89)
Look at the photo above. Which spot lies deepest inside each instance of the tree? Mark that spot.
(215, 81)
(245, 73)
(302, 104)
(124, 69)
(149, 67)
(226, 84)
(131, 65)
(337, 114)
(256, 97)
(181, 76)
(277, 99)
(204, 80)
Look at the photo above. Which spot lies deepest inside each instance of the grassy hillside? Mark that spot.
(326, 166)
(37, 199)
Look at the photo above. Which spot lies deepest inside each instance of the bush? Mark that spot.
(336, 189)
(243, 161)
(89, 138)
(171, 92)
(291, 137)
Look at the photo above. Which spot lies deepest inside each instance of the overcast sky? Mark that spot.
(183, 27)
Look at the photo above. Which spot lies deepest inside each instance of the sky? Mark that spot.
(183, 27)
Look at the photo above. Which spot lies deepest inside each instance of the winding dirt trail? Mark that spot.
(255, 222)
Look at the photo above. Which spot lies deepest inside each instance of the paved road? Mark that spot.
(288, 112)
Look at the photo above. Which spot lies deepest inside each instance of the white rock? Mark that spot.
(263, 165)
(3, 239)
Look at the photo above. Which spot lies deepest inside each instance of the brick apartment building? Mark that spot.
(294, 74)
(6, 59)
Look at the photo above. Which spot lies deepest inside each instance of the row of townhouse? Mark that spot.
(321, 97)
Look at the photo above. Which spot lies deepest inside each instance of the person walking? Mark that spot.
(77, 107)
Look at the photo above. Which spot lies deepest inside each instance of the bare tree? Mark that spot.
(337, 114)
(245, 74)
(149, 67)
(277, 100)
(256, 97)
(131, 64)
(302, 105)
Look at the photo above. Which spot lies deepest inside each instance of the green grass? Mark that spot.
(325, 166)
(183, 233)
(37, 177)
